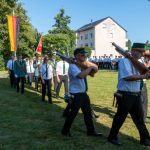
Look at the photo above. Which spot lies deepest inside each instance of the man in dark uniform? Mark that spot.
(130, 99)
(80, 99)
(20, 73)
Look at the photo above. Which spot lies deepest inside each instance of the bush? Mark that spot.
(2, 62)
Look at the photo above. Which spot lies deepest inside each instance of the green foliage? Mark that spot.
(129, 44)
(27, 38)
(2, 62)
(55, 42)
(62, 21)
(61, 27)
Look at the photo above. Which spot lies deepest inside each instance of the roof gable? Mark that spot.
(93, 24)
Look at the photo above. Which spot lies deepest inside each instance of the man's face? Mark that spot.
(137, 54)
(19, 57)
(37, 58)
(81, 57)
(12, 57)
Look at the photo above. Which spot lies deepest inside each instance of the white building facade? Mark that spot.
(99, 35)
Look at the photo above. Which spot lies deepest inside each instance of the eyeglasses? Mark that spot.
(83, 55)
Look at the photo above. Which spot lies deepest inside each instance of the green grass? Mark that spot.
(26, 123)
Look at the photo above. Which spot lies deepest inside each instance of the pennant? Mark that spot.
(39, 47)
(13, 29)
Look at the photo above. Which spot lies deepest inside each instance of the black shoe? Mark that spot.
(114, 141)
(94, 134)
(146, 142)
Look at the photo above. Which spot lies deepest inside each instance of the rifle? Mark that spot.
(82, 65)
(138, 65)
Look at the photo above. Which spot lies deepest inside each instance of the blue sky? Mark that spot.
(133, 15)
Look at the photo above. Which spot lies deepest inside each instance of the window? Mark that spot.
(86, 36)
(104, 25)
(91, 35)
(91, 44)
(81, 37)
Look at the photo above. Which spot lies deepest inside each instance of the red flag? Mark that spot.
(39, 47)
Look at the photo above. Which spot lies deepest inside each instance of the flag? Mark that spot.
(13, 29)
(39, 47)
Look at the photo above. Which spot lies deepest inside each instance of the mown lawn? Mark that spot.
(26, 123)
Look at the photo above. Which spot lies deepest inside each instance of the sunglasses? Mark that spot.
(83, 55)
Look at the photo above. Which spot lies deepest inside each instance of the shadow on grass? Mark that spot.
(28, 123)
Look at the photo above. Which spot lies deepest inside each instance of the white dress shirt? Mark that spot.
(10, 64)
(49, 71)
(59, 68)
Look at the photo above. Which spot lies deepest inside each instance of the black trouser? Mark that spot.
(129, 104)
(65, 80)
(20, 79)
(12, 79)
(36, 78)
(49, 94)
(68, 109)
(144, 98)
(80, 100)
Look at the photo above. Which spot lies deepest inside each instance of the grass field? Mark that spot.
(26, 123)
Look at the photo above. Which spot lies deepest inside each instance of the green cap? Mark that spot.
(138, 47)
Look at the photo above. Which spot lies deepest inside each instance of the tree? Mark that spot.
(52, 42)
(62, 21)
(61, 27)
(129, 44)
(27, 39)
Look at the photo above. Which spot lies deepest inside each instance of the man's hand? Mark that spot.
(147, 75)
(43, 82)
(58, 80)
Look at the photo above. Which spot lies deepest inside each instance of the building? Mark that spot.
(100, 34)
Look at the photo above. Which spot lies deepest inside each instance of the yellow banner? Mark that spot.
(11, 33)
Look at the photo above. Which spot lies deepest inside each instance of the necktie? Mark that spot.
(141, 84)
(12, 65)
(86, 85)
(46, 71)
(63, 67)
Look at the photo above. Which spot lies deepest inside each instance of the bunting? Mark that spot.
(13, 29)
